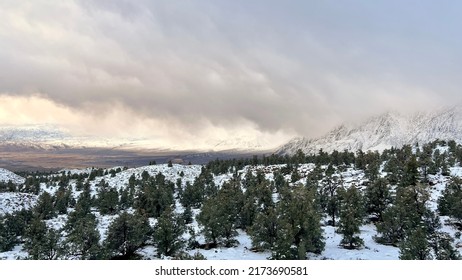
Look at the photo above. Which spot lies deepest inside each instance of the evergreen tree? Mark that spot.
(411, 174)
(187, 216)
(377, 197)
(313, 178)
(179, 187)
(407, 213)
(295, 176)
(83, 238)
(257, 198)
(450, 202)
(7, 239)
(61, 200)
(394, 170)
(441, 244)
(44, 207)
(351, 217)
(108, 199)
(264, 230)
(279, 180)
(372, 170)
(82, 209)
(155, 196)
(415, 246)
(328, 197)
(13, 227)
(193, 195)
(167, 234)
(219, 215)
(126, 199)
(298, 225)
(425, 160)
(126, 235)
(42, 243)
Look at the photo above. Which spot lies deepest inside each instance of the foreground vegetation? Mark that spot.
(280, 207)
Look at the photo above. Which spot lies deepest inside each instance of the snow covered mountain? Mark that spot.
(33, 136)
(52, 137)
(391, 129)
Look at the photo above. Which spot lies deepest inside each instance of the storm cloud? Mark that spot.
(192, 68)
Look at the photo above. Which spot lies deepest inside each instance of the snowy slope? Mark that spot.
(6, 175)
(10, 202)
(388, 130)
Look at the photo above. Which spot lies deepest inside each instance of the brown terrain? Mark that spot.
(22, 158)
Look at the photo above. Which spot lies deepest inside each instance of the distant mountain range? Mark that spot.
(51, 137)
(390, 129)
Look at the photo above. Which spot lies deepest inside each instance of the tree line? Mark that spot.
(282, 211)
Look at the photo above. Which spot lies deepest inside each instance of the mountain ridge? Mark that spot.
(52, 137)
(390, 129)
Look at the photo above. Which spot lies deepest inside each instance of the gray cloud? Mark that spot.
(295, 68)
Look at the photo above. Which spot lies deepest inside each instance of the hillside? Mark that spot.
(181, 181)
(390, 129)
(6, 176)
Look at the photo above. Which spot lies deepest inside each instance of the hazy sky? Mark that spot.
(190, 71)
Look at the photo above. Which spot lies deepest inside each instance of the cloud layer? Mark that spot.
(199, 69)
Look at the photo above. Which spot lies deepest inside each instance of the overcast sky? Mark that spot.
(189, 71)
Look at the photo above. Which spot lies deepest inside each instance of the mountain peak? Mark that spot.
(390, 129)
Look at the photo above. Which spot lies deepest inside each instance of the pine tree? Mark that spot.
(42, 243)
(283, 247)
(298, 225)
(44, 207)
(108, 199)
(7, 238)
(415, 246)
(407, 213)
(187, 216)
(425, 160)
(351, 217)
(372, 170)
(394, 170)
(155, 196)
(450, 202)
(12, 227)
(83, 238)
(328, 197)
(441, 244)
(411, 173)
(193, 195)
(61, 200)
(257, 198)
(126, 199)
(167, 234)
(264, 230)
(126, 235)
(378, 198)
(220, 214)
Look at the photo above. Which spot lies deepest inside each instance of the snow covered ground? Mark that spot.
(6, 175)
(11, 202)
(371, 250)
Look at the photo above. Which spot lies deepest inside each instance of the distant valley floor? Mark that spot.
(17, 158)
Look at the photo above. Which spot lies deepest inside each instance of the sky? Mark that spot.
(188, 73)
